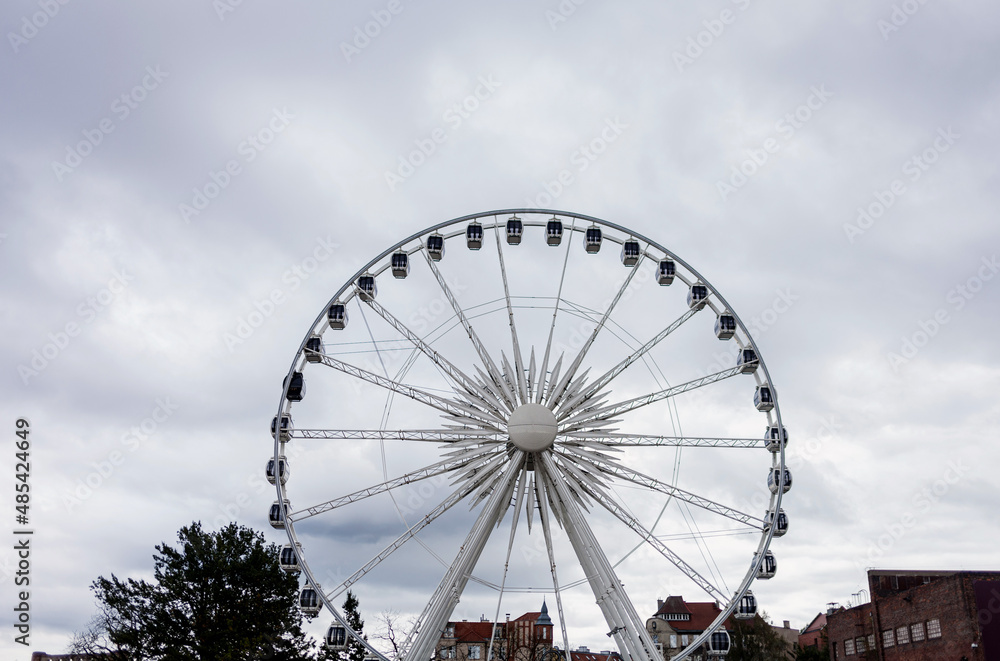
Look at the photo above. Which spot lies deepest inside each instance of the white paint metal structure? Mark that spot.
(542, 440)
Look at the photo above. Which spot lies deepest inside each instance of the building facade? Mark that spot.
(677, 623)
(921, 616)
(527, 638)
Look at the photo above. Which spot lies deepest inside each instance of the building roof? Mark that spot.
(594, 656)
(473, 632)
(529, 617)
(543, 619)
(702, 614)
(817, 624)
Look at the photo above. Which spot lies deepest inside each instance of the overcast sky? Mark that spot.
(830, 167)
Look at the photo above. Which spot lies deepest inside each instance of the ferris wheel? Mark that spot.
(494, 410)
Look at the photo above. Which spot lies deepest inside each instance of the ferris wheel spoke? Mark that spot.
(458, 410)
(618, 440)
(541, 390)
(518, 502)
(466, 459)
(570, 403)
(456, 497)
(583, 419)
(612, 468)
(627, 628)
(479, 395)
(560, 389)
(647, 536)
(543, 515)
(522, 388)
(429, 626)
(444, 436)
(496, 377)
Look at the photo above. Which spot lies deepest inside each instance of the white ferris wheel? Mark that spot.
(494, 411)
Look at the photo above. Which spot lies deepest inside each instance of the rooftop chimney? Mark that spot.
(786, 625)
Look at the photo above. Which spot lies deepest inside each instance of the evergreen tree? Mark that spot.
(355, 650)
(218, 596)
(756, 640)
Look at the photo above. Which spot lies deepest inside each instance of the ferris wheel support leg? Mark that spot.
(431, 623)
(618, 610)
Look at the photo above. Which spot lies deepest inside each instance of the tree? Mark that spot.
(820, 652)
(219, 596)
(755, 640)
(355, 651)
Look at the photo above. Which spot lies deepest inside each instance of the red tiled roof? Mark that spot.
(474, 632)
(818, 623)
(702, 614)
(528, 617)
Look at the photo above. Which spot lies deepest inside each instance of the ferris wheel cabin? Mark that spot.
(474, 236)
(747, 608)
(768, 566)
(774, 480)
(697, 296)
(367, 288)
(666, 271)
(276, 515)
(336, 638)
(747, 361)
(296, 388)
(725, 326)
(435, 247)
(782, 522)
(337, 316)
(631, 252)
(400, 265)
(718, 643)
(553, 232)
(309, 602)
(763, 399)
(515, 229)
(286, 427)
(283, 471)
(775, 442)
(314, 349)
(592, 239)
(288, 560)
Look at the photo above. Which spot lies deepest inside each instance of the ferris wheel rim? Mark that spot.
(778, 458)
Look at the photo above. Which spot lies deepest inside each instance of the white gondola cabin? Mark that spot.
(367, 287)
(763, 398)
(775, 442)
(774, 480)
(592, 239)
(435, 247)
(337, 316)
(718, 643)
(314, 349)
(554, 232)
(282, 470)
(474, 236)
(288, 560)
(697, 296)
(747, 361)
(286, 427)
(631, 252)
(276, 515)
(296, 387)
(781, 527)
(666, 271)
(515, 229)
(768, 566)
(400, 265)
(725, 326)
(309, 602)
(746, 609)
(336, 638)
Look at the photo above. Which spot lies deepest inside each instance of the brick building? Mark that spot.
(921, 616)
(814, 633)
(527, 638)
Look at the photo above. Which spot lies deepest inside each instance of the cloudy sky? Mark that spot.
(830, 167)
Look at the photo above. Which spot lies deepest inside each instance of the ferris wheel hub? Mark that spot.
(532, 427)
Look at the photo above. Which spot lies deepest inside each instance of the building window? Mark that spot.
(656, 637)
(684, 639)
(673, 640)
(934, 628)
(848, 648)
(888, 638)
(835, 657)
(871, 641)
(859, 643)
(903, 635)
(475, 652)
(917, 632)
(449, 631)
